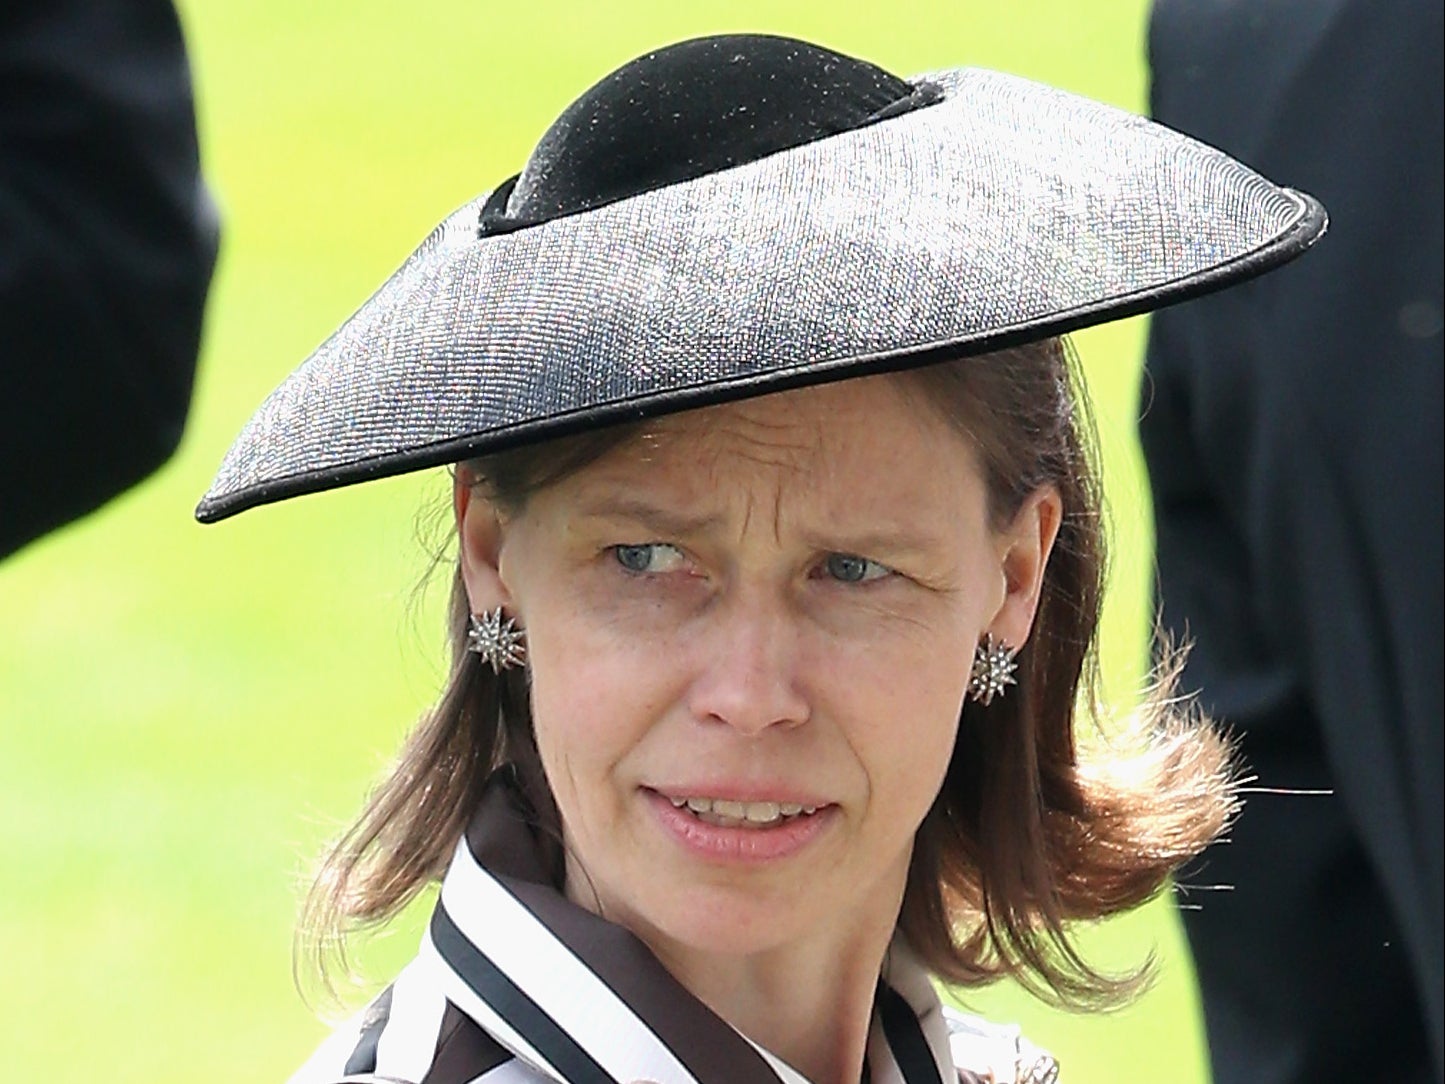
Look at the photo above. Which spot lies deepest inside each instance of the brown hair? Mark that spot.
(1032, 829)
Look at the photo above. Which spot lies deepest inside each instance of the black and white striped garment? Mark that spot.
(514, 984)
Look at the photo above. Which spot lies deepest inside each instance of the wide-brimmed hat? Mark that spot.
(738, 215)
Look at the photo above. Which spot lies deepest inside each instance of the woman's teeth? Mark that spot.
(723, 813)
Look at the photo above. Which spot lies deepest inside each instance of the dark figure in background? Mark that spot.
(1293, 434)
(107, 240)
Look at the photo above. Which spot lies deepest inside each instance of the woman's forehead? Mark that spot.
(859, 417)
(861, 441)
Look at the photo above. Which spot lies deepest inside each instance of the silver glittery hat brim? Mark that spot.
(1008, 212)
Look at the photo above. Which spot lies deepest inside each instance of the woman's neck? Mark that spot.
(805, 993)
(807, 1002)
(811, 1009)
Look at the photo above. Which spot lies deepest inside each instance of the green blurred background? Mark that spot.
(186, 713)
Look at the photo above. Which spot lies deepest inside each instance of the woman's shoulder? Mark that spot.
(989, 1053)
(387, 1043)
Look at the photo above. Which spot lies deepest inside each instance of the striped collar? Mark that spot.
(582, 1000)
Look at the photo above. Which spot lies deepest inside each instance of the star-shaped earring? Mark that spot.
(497, 639)
(993, 670)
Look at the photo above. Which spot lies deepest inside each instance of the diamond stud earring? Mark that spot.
(497, 639)
(993, 670)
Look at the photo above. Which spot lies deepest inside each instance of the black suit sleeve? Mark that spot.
(1293, 436)
(107, 240)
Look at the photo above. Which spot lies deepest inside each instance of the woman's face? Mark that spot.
(750, 634)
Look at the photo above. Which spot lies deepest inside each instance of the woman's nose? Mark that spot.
(748, 676)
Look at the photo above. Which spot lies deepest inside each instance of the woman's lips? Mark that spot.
(737, 829)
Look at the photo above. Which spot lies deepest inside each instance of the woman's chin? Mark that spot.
(723, 921)
(684, 884)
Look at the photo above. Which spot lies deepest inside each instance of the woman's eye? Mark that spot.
(850, 568)
(649, 557)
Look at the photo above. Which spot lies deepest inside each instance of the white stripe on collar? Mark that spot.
(460, 993)
(550, 974)
(903, 971)
(786, 1073)
(408, 1043)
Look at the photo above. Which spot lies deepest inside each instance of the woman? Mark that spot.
(778, 573)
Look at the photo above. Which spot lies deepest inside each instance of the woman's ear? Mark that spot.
(479, 540)
(1024, 548)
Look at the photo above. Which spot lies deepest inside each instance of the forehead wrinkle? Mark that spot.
(778, 456)
(766, 428)
(788, 456)
(773, 449)
(788, 444)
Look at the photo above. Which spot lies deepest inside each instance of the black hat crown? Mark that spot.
(694, 108)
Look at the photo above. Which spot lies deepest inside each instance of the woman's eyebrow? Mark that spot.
(893, 539)
(890, 538)
(667, 521)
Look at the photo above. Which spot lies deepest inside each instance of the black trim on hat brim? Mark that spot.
(1303, 233)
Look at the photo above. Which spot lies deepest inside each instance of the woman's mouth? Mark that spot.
(726, 813)
(746, 830)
